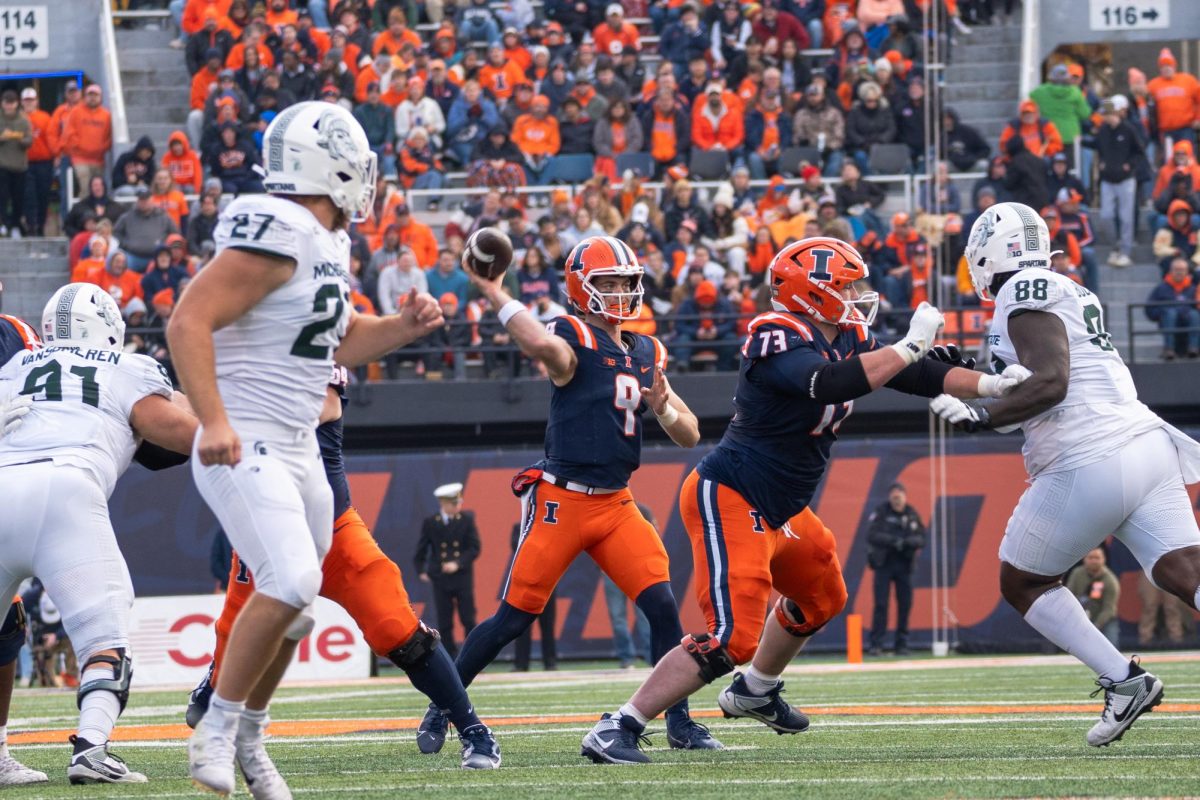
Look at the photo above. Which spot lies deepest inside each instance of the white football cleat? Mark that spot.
(211, 753)
(95, 764)
(262, 778)
(14, 773)
(1124, 702)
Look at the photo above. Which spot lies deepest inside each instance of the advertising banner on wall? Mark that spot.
(166, 532)
(172, 640)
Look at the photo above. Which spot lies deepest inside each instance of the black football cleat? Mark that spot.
(200, 698)
(770, 709)
(687, 734)
(431, 734)
(611, 742)
(479, 748)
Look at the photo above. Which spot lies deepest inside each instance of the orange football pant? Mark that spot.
(557, 525)
(357, 576)
(739, 558)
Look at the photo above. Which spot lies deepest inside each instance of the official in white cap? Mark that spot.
(445, 557)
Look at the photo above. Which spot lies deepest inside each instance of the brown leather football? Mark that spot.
(488, 252)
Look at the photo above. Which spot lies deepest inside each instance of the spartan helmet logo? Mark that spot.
(983, 230)
(334, 135)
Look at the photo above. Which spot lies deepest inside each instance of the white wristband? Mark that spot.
(909, 350)
(510, 310)
(668, 417)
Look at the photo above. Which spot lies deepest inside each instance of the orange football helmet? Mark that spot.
(598, 256)
(808, 277)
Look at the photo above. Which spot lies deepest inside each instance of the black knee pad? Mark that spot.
(710, 654)
(657, 602)
(118, 684)
(12, 634)
(418, 647)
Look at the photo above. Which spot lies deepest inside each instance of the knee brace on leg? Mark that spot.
(118, 684)
(418, 647)
(12, 634)
(303, 625)
(794, 621)
(710, 654)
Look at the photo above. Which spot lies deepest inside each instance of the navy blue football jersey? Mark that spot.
(776, 448)
(329, 438)
(15, 337)
(594, 435)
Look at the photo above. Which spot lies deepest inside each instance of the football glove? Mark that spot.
(966, 417)
(950, 354)
(1005, 382)
(11, 412)
(922, 328)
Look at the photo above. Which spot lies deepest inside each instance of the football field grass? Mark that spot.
(958, 727)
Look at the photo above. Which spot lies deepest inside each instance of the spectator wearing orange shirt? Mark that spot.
(397, 32)
(252, 38)
(536, 135)
(41, 164)
(499, 76)
(1176, 99)
(189, 15)
(205, 78)
(615, 34)
(279, 15)
(183, 162)
(116, 278)
(1182, 161)
(165, 195)
(97, 253)
(87, 137)
(1041, 135)
(416, 236)
(514, 51)
(418, 164)
(718, 126)
(667, 129)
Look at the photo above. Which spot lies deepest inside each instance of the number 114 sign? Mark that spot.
(24, 33)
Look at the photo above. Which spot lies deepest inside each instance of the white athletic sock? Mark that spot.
(3, 741)
(628, 710)
(228, 713)
(759, 682)
(1059, 617)
(98, 710)
(1196, 598)
(252, 724)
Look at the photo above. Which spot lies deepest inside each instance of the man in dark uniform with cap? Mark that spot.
(895, 535)
(445, 554)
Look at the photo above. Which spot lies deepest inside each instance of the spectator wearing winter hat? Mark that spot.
(730, 231)
(869, 122)
(1040, 135)
(232, 159)
(683, 39)
(576, 130)
(161, 274)
(1119, 149)
(963, 145)
(1176, 309)
(420, 110)
(706, 322)
(1062, 103)
(1061, 176)
(1176, 100)
(418, 164)
(820, 124)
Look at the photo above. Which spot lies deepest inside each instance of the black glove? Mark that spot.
(950, 354)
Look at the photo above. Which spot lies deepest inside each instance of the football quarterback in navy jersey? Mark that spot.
(576, 499)
(746, 505)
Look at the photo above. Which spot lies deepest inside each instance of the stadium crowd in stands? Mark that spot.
(731, 97)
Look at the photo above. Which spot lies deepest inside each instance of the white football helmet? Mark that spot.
(83, 313)
(320, 149)
(1006, 238)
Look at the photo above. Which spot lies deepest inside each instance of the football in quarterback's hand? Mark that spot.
(488, 253)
